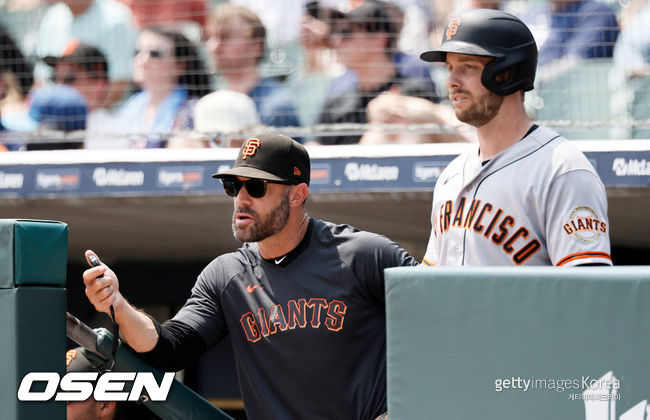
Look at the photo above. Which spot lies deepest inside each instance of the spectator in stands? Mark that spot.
(106, 24)
(629, 79)
(16, 76)
(235, 39)
(85, 68)
(395, 108)
(221, 119)
(315, 36)
(58, 107)
(322, 76)
(281, 22)
(91, 409)
(632, 49)
(407, 65)
(365, 43)
(169, 71)
(579, 29)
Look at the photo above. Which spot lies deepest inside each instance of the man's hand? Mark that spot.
(102, 287)
(103, 290)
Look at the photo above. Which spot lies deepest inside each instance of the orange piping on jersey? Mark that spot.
(427, 262)
(580, 255)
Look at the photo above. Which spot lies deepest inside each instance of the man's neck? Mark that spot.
(376, 74)
(242, 81)
(508, 127)
(287, 239)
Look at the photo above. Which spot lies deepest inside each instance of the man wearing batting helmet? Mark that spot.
(527, 196)
(302, 299)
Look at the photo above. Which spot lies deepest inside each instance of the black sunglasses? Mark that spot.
(256, 187)
(155, 54)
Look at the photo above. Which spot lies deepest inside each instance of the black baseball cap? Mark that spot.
(373, 16)
(273, 157)
(91, 58)
(76, 361)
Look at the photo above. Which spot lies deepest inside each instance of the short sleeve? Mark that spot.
(203, 310)
(374, 254)
(577, 227)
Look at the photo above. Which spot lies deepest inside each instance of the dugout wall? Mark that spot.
(518, 343)
(33, 259)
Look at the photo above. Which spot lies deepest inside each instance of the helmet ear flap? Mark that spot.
(491, 73)
(518, 77)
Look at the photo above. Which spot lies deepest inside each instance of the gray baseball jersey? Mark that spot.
(309, 338)
(539, 202)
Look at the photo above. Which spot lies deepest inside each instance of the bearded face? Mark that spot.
(263, 227)
(481, 110)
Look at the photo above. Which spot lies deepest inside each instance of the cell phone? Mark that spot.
(94, 261)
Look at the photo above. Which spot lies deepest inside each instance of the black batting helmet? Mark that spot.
(492, 33)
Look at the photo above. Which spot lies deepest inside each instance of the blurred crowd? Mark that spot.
(116, 74)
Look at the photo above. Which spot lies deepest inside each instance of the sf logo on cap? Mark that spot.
(250, 147)
(452, 28)
(69, 356)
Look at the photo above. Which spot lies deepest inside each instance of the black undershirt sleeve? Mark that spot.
(178, 346)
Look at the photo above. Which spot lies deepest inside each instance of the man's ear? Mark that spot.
(298, 194)
(106, 409)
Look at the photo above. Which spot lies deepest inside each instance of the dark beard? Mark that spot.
(482, 111)
(272, 224)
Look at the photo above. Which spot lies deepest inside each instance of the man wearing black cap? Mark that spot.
(365, 41)
(91, 409)
(302, 299)
(83, 67)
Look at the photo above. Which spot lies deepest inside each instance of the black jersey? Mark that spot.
(309, 338)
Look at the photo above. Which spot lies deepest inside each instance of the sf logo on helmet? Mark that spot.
(250, 148)
(452, 28)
